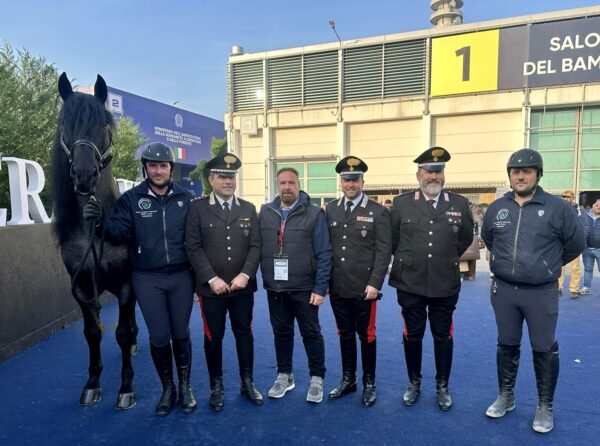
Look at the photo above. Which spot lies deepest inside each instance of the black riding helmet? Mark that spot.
(526, 158)
(157, 151)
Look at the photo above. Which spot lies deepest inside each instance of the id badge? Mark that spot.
(281, 268)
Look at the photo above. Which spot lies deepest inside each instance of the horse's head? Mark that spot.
(85, 133)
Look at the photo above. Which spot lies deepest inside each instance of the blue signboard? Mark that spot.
(189, 134)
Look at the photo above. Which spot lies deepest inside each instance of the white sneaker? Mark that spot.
(315, 390)
(283, 383)
(585, 291)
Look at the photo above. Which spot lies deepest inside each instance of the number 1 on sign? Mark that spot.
(465, 52)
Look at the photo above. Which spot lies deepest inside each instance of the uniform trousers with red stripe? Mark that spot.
(214, 311)
(416, 310)
(356, 316)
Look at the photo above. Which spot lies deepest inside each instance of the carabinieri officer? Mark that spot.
(361, 240)
(223, 245)
(431, 228)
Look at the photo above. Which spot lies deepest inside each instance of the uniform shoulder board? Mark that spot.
(198, 199)
(375, 203)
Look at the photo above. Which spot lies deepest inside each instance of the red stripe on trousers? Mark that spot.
(451, 330)
(371, 329)
(207, 332)
(405, 330)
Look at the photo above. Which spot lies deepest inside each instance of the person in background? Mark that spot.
(591, 254)
(575, 266)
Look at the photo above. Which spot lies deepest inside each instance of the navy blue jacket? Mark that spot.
(591, 228)
(530, 244)
(306, 244)
(152, 227)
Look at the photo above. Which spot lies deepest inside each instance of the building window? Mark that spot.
(317, 178)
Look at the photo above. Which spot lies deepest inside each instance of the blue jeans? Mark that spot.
(590, 255)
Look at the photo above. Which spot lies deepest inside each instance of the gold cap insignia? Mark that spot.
(437, 153)
(229, 160)
(352, 162)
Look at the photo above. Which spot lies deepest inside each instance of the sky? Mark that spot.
(176, 51)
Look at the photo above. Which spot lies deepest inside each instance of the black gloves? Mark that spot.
(92, 210)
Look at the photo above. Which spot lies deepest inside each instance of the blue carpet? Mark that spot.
(40, 388)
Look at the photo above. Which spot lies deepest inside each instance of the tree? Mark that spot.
(28, 112)
(218, 146)
(126, 141)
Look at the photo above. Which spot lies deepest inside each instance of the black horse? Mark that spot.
(81, 171)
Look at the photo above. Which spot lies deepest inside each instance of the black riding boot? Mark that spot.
(443, 364)
(245, 352)
(163, 361)
(507, 364)
(349, 357)
(413, 351)
(368, 351)
(546, 365)
(213, 351)
(183, 358)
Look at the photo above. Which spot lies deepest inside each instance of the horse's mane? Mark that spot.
(82, 116)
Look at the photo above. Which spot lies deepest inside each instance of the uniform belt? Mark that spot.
(526, 286)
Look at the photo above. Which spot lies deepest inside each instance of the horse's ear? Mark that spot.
(64, 87)
(100, 89)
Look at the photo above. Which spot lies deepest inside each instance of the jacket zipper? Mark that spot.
(515, 244)
(164, 219)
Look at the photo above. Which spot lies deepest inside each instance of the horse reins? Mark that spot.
(104, 159)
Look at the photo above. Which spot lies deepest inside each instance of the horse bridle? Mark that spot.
(103, 159)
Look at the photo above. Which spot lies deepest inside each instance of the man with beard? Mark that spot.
(431, 228)
(151, 219)
(295, 265)
(360, 236)
(531, 234)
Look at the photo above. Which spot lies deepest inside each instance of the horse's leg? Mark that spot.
(126, 339)
(92, 329)
(134, 331)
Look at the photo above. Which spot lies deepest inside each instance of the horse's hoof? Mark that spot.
(125, 401)
(90, 396)
(134, 350)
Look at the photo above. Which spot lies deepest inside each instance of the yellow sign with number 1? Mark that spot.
(465, 63)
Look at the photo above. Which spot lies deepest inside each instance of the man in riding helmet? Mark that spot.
(531, 234)
(151, 219)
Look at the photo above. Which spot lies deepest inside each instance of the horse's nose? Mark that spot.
(84, 179)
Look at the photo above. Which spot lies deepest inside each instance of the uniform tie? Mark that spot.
(348, 208)
(431, 205)
(226, 209)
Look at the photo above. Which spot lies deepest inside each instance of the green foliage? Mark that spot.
(126, 141)
(28, 112)
(218, 146)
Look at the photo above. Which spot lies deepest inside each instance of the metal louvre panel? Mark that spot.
(321, 78)
(362, 73)
(404, 68)
(285, 81)
(248, 85)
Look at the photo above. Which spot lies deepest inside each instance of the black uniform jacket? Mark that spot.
(217, 247)
(427, 245)
(362, 247)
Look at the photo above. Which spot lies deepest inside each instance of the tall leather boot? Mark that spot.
(443, 364)
(546, 365)
(413, 352)
(507, 364)
(163, 361)
(213, 352)
(182, 348)
(349, 358)
(368, 351)
(245, 352)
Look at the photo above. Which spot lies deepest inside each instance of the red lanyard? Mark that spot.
(280, 233)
